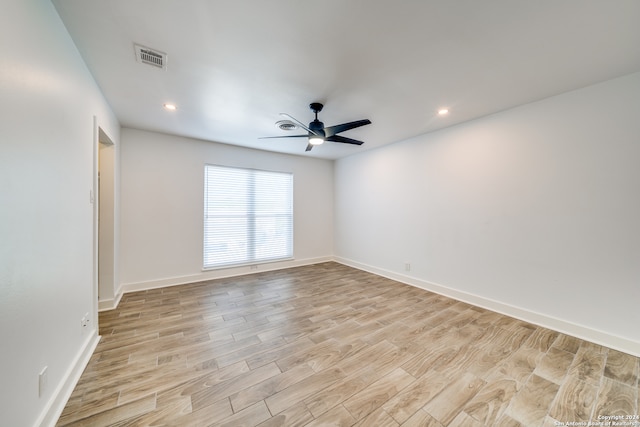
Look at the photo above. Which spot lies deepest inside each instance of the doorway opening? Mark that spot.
(105, 273)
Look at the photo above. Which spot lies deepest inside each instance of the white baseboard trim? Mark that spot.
(55, 406)
(219, 274)
(110, 304)
(560, 325)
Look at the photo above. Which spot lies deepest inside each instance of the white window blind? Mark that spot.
(248, 216)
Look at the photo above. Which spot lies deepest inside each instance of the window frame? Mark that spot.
(250, 216)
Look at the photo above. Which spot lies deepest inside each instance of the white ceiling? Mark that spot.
(233, 65)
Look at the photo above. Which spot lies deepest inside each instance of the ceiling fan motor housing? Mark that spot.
(317, 126)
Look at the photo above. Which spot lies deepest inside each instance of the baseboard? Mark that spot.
(560, 325)
(61, 395)
(110, 304)
(219, 274)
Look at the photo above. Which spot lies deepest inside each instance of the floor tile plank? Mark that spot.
(531, 404)
(447, 404)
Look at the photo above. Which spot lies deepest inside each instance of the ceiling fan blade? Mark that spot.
(299, 123)
(338, 138)
(309, 147)
(284, 136)
(332, 130)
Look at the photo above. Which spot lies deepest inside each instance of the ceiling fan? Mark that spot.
(318, 134)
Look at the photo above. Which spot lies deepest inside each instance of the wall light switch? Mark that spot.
(43, 379)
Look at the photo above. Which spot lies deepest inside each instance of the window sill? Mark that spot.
(251, 265)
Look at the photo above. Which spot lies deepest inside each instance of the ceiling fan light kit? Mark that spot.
(317, 133)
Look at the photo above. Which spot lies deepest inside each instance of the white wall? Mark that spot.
(534, 211)
(49, 101)
(162, 182)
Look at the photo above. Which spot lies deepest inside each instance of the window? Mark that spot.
(248, 216)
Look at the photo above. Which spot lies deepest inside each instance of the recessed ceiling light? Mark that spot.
(170, 107)
(443, 111)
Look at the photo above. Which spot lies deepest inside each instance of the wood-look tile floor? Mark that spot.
(331, 345)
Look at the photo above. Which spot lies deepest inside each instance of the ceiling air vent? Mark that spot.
(151, 56)
(286, 125)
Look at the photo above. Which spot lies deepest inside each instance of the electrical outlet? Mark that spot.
(407, 266)
(253, 267)
(84, 322)
(43, 379)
